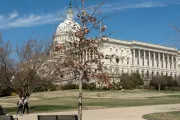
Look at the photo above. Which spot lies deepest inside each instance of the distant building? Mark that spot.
(133, 57)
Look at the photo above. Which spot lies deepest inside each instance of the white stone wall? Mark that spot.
(141, 57)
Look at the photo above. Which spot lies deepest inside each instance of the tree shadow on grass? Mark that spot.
(42, 108)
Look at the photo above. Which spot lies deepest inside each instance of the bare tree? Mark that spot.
(176, 28)
(81, 56)
(81, 53)
(23, 73)
(5, 63)
(176, 39)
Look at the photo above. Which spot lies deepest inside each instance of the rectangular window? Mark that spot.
(111, 49)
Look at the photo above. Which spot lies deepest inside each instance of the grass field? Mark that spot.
(163, 116)
(67, 100)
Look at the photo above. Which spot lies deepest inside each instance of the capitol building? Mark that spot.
(135, 57)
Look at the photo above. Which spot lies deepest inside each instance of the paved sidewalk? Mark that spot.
(125, 113)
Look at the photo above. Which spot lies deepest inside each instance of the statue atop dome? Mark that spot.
(70, 11)
(70, 4)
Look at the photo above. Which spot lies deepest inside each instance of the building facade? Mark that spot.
(146, 59)
(132, 56)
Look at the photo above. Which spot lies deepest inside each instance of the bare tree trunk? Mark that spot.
(80, 82)
(80, 97)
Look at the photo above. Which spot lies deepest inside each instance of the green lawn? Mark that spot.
(163, 116)
(42, 108)
(67, 100)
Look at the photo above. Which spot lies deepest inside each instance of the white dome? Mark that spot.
(68, 25)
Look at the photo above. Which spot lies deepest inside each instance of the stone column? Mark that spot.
(163, 61)
(139, 57)
(154, 60)
(172, 62)
(176, 63)
(133, 57)
(149, 58)
(145, 58)
(155, 72)
(168, 65)
(159, 60)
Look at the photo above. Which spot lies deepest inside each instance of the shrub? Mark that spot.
(163, 82)
(129, 81)
(85, 86)
(105, 88)
(49, 87)
(126, 81)
(4, 91)
(116, 86)
(52, 88)
(137, 79)
(69, 86)
(41, 89)
(92, 86)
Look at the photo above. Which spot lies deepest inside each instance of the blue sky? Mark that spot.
(141, 20)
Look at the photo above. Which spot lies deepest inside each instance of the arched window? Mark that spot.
(116, 50)
(111, 69)
(148, 74)
(110, 49)
(116, 70)
(142, 73)
(152, 74)
(128, 61)
(122, 71)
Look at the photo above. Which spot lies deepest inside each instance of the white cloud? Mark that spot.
(13, 15)
(14, 19)
(120, 6)
(146, 5)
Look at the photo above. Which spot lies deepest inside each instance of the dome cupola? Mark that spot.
(68, 24)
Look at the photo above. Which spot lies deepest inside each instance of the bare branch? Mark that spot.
(176, 28)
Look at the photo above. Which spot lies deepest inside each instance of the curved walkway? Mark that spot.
(125, 113)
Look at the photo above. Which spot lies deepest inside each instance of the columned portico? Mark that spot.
(150, 62)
